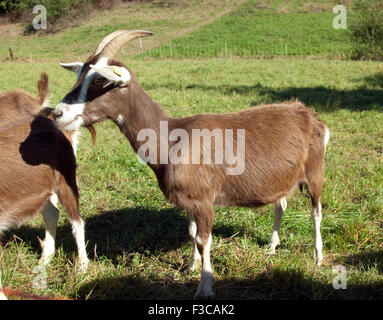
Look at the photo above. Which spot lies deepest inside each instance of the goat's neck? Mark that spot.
(140, 112)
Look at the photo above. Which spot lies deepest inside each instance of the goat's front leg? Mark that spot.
(195, 255)
(279, 208)
(204, 221)
(50, 217)
(78, 231)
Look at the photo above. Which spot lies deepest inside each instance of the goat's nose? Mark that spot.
(57, 114)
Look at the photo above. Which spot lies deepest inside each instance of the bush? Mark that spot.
(15, 5)
(366, 31)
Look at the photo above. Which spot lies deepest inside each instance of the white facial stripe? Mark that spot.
(71, 118)
(79, 72)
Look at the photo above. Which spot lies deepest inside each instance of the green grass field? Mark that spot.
(261, 30)
(138, 243)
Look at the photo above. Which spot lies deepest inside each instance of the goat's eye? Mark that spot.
(98, 82)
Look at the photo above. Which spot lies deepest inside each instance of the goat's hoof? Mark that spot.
(270, 250)
(204, 295)
(190, 268)
(44, 261)
(2, 295)
(319, 262)
(83, 266)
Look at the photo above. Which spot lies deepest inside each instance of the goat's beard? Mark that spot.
(92, 131)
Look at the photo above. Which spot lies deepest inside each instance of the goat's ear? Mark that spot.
(118, 75)
(73, 66)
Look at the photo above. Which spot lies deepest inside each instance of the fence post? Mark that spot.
(11, 56)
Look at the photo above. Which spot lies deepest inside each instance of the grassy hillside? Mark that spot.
(243, 28)
(259, 29)
(77, 42)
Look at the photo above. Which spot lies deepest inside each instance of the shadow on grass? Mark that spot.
(275, 284)
(365, 260)
(131, 230)
(152, 231)
(374, 80)
(111, 233)
(321, 98)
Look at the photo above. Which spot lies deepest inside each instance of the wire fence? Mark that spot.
(240, 49)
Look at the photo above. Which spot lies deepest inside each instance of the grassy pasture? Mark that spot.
(138, 243)
(257, 29)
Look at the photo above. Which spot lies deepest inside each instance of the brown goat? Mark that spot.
(282, 146)
(38, 168)
(16, 104)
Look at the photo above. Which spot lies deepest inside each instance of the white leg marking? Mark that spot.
(279, 208)
(205, 286)
(194, 259)
(195, 255)
(51, 217)
(326, 137)
(283, 203)
(317, 218)
(79, 235)
(2, 295)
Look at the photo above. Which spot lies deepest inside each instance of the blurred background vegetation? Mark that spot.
(252, 30)
(366, 31)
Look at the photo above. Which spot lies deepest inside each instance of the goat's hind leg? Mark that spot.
(315, 186)
(195, 255)
(50, 217)
(70, 201)
(279, 208)
(204, 221)
(317, 219)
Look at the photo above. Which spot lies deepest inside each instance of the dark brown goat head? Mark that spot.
(98, 80)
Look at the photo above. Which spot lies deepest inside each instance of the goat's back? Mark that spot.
(279, 139)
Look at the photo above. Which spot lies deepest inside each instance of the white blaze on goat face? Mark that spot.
(71, 108)
(69, 112)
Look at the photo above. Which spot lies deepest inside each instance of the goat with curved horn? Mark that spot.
(117, 42)
(108, 48)
(106, 40)
(278, 147)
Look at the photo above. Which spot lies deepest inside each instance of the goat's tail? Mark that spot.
(42, 87)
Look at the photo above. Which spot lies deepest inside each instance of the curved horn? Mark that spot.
(106, 40)
(112, 47)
